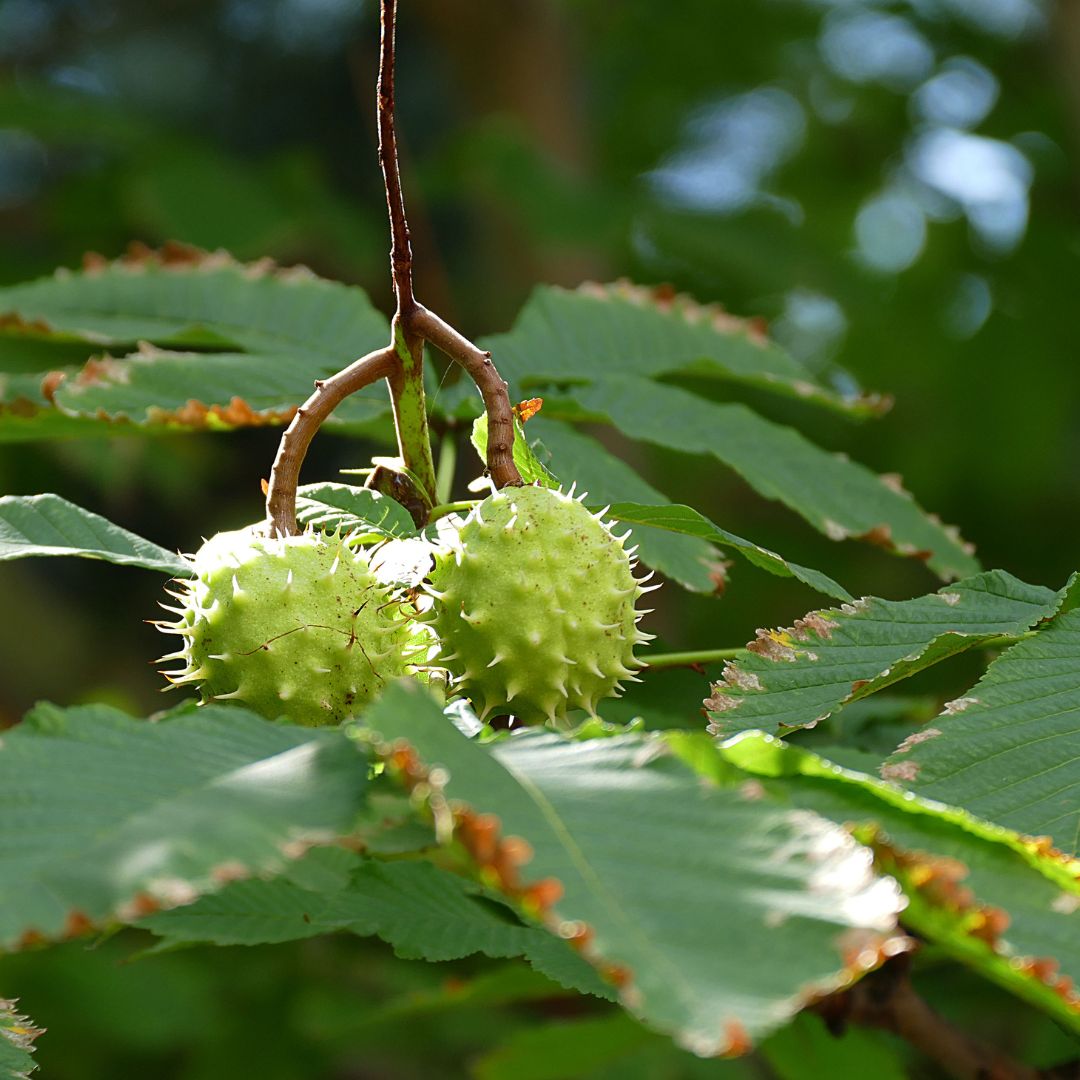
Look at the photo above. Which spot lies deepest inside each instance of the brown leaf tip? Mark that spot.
(174, 255)
(665, 299)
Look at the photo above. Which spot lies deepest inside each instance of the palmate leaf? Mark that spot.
(716, 939)
(260, 335)
(420, 909)
(1003, 906)
(32, 525)
(563, 336)
(105, 817)
(794, 677)
(17, 1036)
(837, 496)
(1009, 749)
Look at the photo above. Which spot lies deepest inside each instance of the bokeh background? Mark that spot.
(893, 186)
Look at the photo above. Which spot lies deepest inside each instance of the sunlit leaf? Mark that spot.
(984, 895)
(17, 1036)
(103, 817)
(1009, 749)
(668, 922)
(796, 676)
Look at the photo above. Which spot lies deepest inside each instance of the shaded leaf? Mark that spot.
(806, 1047)
(837, 496)
(568, 1049)
(263, 336)
(1007, 908)
(683, 519)
(563, 336)
(667, 922)
(17, 1036)
(168, 390)
(1009, 749)
(332, 506)
(692, 562)
(106, 817)
(32, 525)
(423, 911)
(797, 676)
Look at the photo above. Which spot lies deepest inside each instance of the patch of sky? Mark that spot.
(988, 179)
(960, 94)
(730, 149)
(867, 46)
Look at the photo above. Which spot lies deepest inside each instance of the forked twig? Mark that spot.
(401, 362)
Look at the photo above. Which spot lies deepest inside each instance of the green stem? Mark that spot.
(451, 508)
(444, 477)
(690, 659)
(410, 412)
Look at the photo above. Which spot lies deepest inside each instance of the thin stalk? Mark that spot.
(445, 509)
(444, 476)
(407, 384)
(690, 659)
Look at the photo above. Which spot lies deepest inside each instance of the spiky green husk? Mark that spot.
(295, 627)
(534, 605)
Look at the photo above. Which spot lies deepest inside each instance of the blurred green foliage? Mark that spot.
(893, 186)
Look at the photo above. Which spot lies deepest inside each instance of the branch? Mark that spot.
(500, 448)
(886, 999)
(329, 393)
(400, 245)
(401, 363)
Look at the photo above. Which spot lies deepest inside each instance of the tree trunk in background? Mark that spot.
(518, 58)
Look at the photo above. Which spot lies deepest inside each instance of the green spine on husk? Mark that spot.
(294, 627)
(534, 606)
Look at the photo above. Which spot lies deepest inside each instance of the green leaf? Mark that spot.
(714, 942)
(423, 911)
(332, 506)
(184, 297)
(566, 1050)
(988, 898)
(262, 337)
(692, 562)
(26, 414)
(532, 471)
(806, 1048)
(168, 391)
(565, 336)
(834, 494)
(49, 525)
(17, 1036)
(1009, 749)
(105, 817)
(794, 677)
(683, 519)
